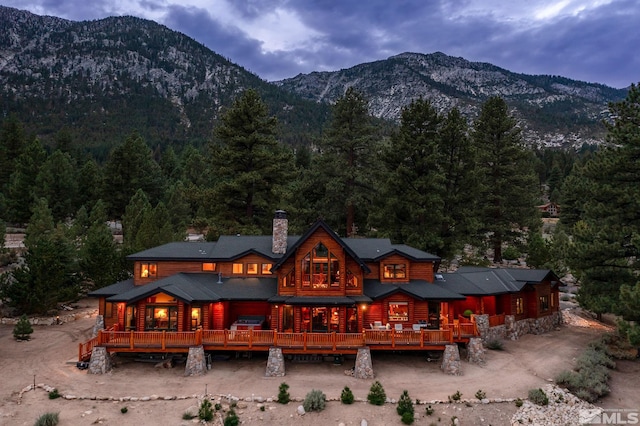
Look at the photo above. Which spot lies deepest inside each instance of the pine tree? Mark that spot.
(343, 173)
(12, 144)
(22, 186)
(508, 191)
(414, 186)
(606, 233)
(131, 167)
(99, 255)
(252, 168)
(49, 274)
(22, 329)
(57, 183)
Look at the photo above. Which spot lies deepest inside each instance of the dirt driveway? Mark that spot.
(49, 359)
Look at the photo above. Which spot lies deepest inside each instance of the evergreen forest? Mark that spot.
(465, 191)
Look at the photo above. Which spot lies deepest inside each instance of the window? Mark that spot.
(398, 271)
(544, 303)
(352, 280)
(320, 268)
(238, 268)
(289, 280)
(252, 268)
(398, 311)
(196, 317)
(159, 317)
(519, 306)
(148, 270)
(266, 268)
(209, 267)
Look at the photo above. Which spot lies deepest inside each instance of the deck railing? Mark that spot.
(260, 339)
(496, 320)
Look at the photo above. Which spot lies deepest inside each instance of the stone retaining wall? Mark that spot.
(512, 329)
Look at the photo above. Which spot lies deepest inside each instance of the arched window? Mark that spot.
(320, 268)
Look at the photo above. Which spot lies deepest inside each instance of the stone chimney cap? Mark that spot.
(280, 214)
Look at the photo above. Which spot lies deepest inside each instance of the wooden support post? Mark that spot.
(131, 343)
(275, 337)
(164, 340)
(250, 337)
(334, 340)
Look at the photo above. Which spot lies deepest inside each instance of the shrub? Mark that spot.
(124, 410)
(376, 395)
(48, 419)
(231, 419)
(23, 328)
(480, 394)
(407, 418)
(218, 406)
(494, 345)
(346, 396)
(315, 400)
(589, 380)
(467, 313)
(456, 396)
(283, 393)
(519, 402)
(205, 412)
(54, 394)
(405, 404)
(188, 416)
(537, 396)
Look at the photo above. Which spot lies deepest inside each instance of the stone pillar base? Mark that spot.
(364, 367)
(196, 363)
(476, 351)
(275, 363)
(100, 362)
(451, 361)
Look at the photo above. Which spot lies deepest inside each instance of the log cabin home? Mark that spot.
(316, 292)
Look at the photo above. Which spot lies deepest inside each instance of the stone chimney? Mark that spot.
(280, 232)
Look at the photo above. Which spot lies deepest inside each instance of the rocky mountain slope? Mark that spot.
(106, 78)
(100, 80)
(553, 110)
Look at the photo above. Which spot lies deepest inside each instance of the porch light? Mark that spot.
(363, 307)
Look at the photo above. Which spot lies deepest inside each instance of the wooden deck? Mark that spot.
(262, 340)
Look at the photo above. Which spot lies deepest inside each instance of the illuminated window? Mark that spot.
(148, 270)
(108, 310)
(395, 271)
(289, 280)
(252, 268)
(352, 280)
(208, 267)
(519, 306)
(266, 268)
(320, 268)
(398, 311)
(237, 268)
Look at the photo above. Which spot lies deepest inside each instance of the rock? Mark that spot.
(363, 422)
(300, 410)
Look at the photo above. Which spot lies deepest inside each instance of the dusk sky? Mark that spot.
(596, 41)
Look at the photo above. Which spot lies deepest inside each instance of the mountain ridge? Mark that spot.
(105, 78)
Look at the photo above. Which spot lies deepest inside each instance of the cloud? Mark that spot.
(591, 40)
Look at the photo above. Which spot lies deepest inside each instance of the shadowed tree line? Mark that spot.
(435, 182)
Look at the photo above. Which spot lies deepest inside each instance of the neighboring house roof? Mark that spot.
(418, 289)
(202, 287)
